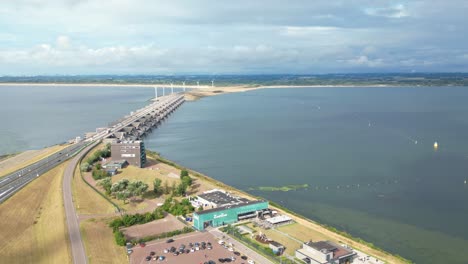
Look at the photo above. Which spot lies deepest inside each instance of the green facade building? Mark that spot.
(227, 214)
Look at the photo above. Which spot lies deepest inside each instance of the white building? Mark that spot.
(325, 252)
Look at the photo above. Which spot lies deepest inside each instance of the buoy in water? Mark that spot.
(465, 181)
(436, 145)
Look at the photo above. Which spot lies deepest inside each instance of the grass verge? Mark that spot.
(32, 222)
(44, 153)
(99, 243)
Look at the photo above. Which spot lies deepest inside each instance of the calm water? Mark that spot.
(356, 149)
(35, 117)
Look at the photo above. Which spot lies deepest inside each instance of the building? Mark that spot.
(115, 164)
(111, 171)
(279, 220)
(218, 198)
(325, 252)
(228, 214)
(277, 248)
(132, 151)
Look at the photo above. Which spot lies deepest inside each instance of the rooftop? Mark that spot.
(276, 244)
(222, 208)
(328, 246)
(279, 219)
(221, 198)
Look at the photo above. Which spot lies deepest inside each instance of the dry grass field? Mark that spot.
(32, 223)
(99, 243)
(26, 158)
(86, 200)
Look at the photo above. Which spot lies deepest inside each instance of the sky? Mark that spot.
(72, 37)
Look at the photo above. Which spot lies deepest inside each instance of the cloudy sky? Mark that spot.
(233, 37)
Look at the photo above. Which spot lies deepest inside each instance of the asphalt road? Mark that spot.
(240, 247)
(13, 182)
(78, 251)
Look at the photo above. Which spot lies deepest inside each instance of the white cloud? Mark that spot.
(396, 11)
(365, 61)
(63, 42)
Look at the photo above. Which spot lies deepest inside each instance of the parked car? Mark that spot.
(251, 261)
(176, 253)
(236, 253)
(148, 258)
(161, 258)
(166, 250)
(142, 244)
(152, 253)
(170, 240)
(244, 257)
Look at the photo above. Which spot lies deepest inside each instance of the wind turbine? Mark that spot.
(212, 83)
(164, 90)
(198, 84)
(172, 89)
(183, 83)
(156, 92)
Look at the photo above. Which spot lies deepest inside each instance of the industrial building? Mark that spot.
(325, 252)
(217, 198)
(228, 214)
(131, 151)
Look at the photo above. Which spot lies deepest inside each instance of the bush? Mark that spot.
(85, 167)
(129, 220)
(120, 238)
(184, 173)
(184, 230)
(99, 174)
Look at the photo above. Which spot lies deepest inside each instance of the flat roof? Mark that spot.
(222, 208)
(279, 219)
(338, 251)
(221, 198)
(276, 244)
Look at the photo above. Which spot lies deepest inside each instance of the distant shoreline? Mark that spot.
(235, 87)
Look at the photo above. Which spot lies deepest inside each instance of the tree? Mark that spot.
(85, 167)
(180, 190)
(166, 188)
(173, 188)
(157, 188)
(184, 173)
(200, 208)
(187, 180)
(106, 184)
(137, 188)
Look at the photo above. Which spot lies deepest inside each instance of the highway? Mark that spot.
(163, 107)
(13, 182)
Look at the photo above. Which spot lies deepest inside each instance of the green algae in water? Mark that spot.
(285, 188)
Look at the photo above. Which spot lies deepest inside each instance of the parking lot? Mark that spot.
(140, 254)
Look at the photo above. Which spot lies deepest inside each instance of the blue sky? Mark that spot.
(232, 37)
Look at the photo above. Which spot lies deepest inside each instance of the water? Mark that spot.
(366, 154)
(33, 117)
(402, 196)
